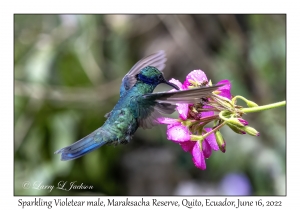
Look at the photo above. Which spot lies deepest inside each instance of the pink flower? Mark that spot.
(225, 89)
(180, 134)
(197, 76)
(181, 108)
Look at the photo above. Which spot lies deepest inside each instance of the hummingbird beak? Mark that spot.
(171, 84)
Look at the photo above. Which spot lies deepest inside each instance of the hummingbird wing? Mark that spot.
(153, 105)
(149, 113)
(190, 96)
(156, 60)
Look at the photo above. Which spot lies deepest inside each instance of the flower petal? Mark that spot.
(207, 114)
(182, 110)
(178, 133)
(198, 157)
(177, 83)
(211, 140)
(187, 146)
(197, 75)
(168, 121)
(206, 149)
(225, 89)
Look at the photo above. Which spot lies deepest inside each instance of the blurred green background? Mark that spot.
(68, 69)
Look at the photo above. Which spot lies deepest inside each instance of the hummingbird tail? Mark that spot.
(80, 148)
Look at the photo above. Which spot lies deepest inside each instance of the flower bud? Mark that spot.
(251, 104)
(236, 129)
(237, 121)
(220, 141)
(244, 122)
(251, 131)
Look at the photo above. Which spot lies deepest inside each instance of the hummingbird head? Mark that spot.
(152, 76)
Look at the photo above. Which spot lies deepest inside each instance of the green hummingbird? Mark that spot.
(137, 107)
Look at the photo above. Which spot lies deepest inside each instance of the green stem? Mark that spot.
(201, 138)
(265, 107)
(240, 97)
(213, 130)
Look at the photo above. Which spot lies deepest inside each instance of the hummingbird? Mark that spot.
(137, 107)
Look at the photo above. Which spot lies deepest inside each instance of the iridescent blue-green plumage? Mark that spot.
(137, 107)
